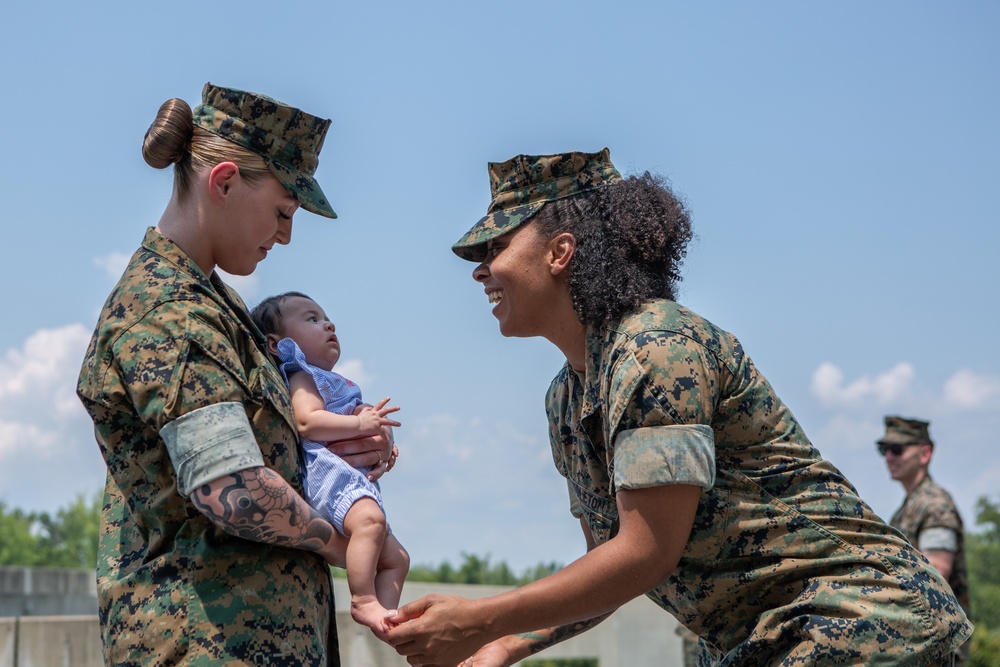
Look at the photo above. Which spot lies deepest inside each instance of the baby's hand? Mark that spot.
(372, 419)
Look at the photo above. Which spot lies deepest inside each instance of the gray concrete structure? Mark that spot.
(639, 634)
(40, 591)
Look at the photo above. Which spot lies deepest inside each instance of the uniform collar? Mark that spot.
(591, 376)
(157, 243)
(922, 483)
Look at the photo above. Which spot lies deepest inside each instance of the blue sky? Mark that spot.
(841, 161)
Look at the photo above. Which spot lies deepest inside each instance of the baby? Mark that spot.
(328, 407)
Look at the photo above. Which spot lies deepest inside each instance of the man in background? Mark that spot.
(928, 517)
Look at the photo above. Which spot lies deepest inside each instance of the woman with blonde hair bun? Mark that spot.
(208, 553)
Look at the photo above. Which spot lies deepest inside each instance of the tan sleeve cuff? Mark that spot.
(663, 455)
(210, 442)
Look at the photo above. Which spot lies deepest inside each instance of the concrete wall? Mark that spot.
(36, 591)
(637, 635)
(51, 641)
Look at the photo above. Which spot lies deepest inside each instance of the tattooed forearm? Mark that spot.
(257, 504)
(542, 639)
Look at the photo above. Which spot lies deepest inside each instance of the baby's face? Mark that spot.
(305, 322)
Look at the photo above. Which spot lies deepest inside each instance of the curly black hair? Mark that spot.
(631, 240)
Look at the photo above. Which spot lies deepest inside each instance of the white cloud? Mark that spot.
(48, 359)
(47, 449)
(16, 435)
(828, 385)
(964, 390)
(971, 391)
(113, 264)
(38, 389)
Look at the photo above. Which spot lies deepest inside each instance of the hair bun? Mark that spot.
(168, 139)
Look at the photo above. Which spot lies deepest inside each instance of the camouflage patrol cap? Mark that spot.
(902, 431)
(523, 184)
(287, 138)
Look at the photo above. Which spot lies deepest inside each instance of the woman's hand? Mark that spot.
(438, 630)
(374, 451)
(494, 654)
(654, 524)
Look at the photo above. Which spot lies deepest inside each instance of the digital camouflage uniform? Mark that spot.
(785, 564)
(928, 506)
(172, 587)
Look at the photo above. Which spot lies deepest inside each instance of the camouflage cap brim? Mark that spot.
(304, 188)
(522, 185)
(472, 246)
(896, 438)
(288, 138)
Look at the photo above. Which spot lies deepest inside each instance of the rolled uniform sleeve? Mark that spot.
(660, 407)
(209, 443)
(944, 539)
(187, 383)
(663, 455)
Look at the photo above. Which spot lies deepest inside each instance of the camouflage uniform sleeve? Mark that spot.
(660, 404)
(940, 526)
(941, 514)
(661, 455)
(186, 381)
(209, 443)
(177, 360)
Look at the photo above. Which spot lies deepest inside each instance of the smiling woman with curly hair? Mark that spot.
(693, 482)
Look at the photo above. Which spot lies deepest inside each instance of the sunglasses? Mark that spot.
(896, 449)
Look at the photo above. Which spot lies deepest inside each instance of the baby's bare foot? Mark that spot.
(366, 610)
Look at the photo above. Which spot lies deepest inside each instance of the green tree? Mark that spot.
(983, 554)
(475, 570)
(18, 545)
(69, 539)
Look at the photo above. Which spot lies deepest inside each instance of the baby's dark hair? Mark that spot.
(267, 314)
(631, 240)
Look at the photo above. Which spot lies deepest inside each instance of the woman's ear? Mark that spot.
(561, 249)
(221, 181)
(272, 343)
